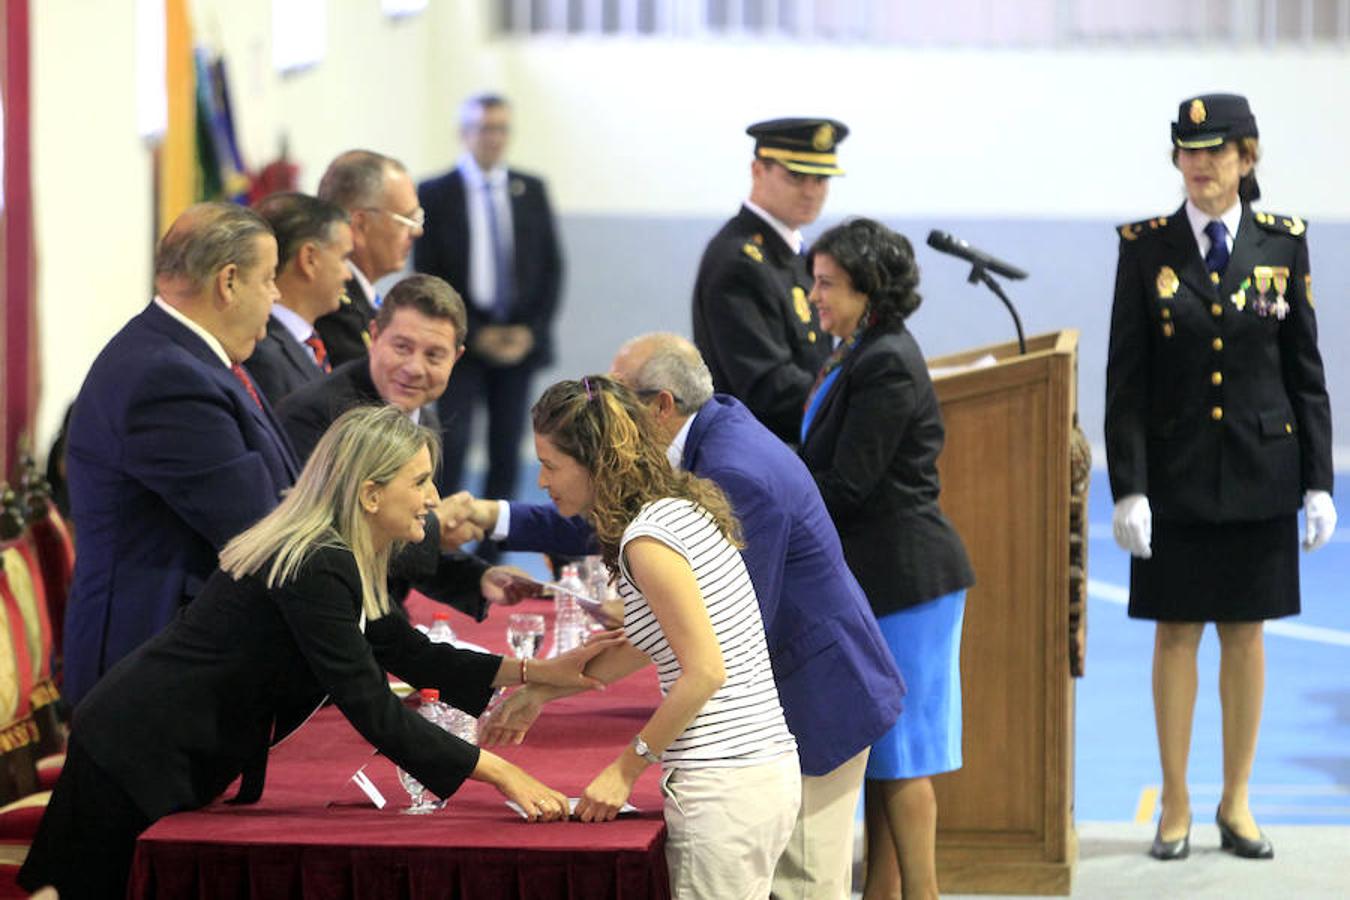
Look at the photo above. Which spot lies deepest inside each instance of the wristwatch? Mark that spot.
(641, 749)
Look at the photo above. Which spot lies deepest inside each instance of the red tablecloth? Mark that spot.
(314, 834)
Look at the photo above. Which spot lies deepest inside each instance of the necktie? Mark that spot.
(247, 382)
(502, 282)
(315, 344)
(1216, 260)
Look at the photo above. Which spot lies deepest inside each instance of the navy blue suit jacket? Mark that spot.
(280, 363)
(836, 679)
(168, 458)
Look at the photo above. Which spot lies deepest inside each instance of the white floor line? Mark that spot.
(1114, 593)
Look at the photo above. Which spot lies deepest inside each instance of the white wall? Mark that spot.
(645, 129)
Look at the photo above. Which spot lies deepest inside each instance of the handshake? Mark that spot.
(464, 518)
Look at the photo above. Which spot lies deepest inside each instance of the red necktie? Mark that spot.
(315, 343)
(247, 382)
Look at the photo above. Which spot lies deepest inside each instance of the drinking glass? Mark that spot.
(524, 632)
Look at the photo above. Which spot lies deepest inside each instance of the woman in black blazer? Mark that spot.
(298, 611)
(871, 436)
(1218, 428)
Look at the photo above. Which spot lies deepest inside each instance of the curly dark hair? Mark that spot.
(600, 423)
(879, 263)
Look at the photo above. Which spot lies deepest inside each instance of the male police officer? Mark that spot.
(752, 322)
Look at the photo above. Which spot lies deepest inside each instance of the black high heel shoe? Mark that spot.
(1230, 840)
(1170, 850)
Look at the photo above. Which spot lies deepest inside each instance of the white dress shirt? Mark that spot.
(482, 268)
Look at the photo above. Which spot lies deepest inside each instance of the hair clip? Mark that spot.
(586, 383)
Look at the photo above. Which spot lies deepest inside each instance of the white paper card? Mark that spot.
(362, 780)
(571, 807)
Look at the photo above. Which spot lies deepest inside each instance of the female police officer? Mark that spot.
(1217, 429)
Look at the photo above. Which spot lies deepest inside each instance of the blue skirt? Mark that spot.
(926, 643)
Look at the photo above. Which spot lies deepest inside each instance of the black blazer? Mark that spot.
(346, 330)
(305, 414)
(280, 363)
(443, 251)
(1216, 403)
(872, 448)
(243, 665)
(753, 324)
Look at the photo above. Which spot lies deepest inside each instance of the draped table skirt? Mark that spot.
(314, 834)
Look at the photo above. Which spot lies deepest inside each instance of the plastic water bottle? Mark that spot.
(422, 803)
(441, 632)
(569, 622)
(456, 721)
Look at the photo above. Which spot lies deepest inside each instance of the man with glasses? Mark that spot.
(752, 322)
(836, 679)
(491, 235)
(379, 196)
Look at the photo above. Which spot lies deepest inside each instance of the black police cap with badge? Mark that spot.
(1208, 121)
(806, 146)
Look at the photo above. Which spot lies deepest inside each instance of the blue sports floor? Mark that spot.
(1302, 772)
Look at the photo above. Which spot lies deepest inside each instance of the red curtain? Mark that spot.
(18, 328)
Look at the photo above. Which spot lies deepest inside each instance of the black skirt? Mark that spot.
(1208, 572)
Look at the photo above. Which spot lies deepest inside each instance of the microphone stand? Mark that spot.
(978, 274)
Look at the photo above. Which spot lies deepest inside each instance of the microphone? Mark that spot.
(946, 243)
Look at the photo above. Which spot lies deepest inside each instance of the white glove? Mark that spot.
(1132, 524)
(1320, 513)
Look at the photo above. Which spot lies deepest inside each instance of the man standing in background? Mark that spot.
(752, 322)
(314, 240)
(376, 192)
(490, 233)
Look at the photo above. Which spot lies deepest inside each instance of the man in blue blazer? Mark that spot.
(172, 451)
(836, 680)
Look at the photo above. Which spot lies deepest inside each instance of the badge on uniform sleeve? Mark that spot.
(1167, 283)
(799, 304)
(1307, 289)
(752, 251)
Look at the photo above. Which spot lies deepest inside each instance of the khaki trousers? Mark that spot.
(727, 826)
(818, 861)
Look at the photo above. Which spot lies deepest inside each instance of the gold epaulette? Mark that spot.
(1290, 225)
(1132, 231)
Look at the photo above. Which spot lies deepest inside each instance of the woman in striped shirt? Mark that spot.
(731, 779)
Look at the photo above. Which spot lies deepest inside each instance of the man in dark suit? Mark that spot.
(380, 198)
(836, 680)
(752, 321)
(314, 240)
(490, 234)
(416, 339)
(171, 449)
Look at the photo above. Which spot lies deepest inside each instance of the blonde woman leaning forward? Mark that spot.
(731, 777)
(297, 610)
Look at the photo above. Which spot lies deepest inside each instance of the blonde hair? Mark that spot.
(600, 423)
(323, 509)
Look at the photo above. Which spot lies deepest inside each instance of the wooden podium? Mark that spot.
(1005, 819)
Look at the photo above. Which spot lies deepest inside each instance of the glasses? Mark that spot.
(417, 220)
